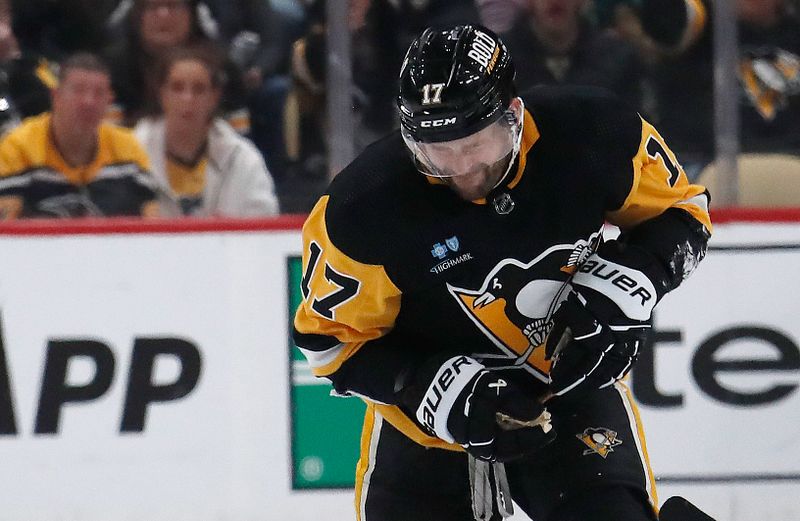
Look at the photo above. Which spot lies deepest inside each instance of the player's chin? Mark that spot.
(473, 194)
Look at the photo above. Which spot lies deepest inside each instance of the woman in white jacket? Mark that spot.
(204, 168)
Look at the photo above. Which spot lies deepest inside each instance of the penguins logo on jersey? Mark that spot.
(515, 304)
(600, 441)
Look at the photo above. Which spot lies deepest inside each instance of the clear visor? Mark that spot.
(476, 152)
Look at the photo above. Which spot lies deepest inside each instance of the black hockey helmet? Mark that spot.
(454, 82)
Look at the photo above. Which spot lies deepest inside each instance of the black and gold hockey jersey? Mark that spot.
(36, 181)
(398, 268)
(188, 181)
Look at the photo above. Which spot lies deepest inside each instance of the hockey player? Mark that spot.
(456, 279)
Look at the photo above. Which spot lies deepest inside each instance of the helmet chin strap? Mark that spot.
(517, 143)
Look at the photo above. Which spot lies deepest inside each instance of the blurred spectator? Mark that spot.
(381, 31)
(622, 18)
(9, 47)
(499, 15)
(258, 40)
(379, 46)
(68, 163)
(768, 72)
(608, 12)
(554, 43)
(256, 36)
(149, 29)
(26, 77)
(203, 167)
(58, 28)
(25, 84)
(9, 115)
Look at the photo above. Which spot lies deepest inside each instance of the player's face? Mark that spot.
(473, 165)
(188, 96)
(82, 98)
(165, 23)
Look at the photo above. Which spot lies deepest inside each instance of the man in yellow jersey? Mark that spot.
(456, 278)
(67, 162)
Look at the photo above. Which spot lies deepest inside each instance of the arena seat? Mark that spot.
(765, 180)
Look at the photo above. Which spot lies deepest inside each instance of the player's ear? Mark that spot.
(516, 107)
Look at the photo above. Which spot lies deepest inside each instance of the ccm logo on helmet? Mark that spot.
(483, 49)
(434, 123)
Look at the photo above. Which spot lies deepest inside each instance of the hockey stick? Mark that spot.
(677, 508)
(483, 473)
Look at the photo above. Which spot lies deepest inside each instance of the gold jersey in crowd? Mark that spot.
(36, 180)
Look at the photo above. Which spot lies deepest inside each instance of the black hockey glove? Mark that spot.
(460, 401)
(599, 330)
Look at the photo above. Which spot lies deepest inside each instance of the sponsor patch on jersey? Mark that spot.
(449, 263)
(452, 243)
(601, 441)
(444, 252)
(440, 251)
